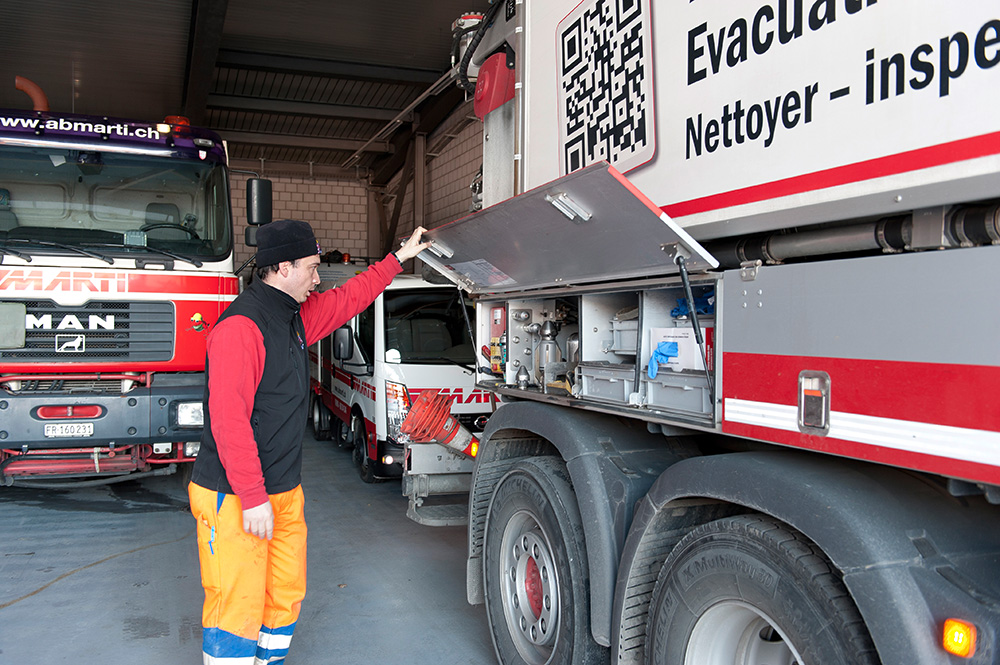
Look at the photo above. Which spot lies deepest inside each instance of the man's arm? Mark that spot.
(322, 313)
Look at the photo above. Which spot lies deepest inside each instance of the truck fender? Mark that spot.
(897, 537)
(611, 461)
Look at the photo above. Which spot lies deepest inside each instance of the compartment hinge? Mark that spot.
(748, 270)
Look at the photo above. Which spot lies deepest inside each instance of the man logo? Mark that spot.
(70, 344)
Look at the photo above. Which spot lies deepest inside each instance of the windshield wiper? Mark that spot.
(20, 255)
(59, 245)
(467, 366)
(180, 257)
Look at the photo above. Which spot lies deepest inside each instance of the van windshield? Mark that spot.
(56, 201)
(427, 325)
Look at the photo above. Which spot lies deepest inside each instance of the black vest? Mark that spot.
(281, 403)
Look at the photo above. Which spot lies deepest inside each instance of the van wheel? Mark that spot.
(748, 590)
(343, 433)
(535, 569)
(358, 436)
(321, 418)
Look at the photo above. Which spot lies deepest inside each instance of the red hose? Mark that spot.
(32, 89)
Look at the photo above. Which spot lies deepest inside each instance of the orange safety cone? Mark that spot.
(430, 421)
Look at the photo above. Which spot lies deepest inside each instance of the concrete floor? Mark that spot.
(110, 575)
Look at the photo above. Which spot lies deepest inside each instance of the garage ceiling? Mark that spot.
(331, 87)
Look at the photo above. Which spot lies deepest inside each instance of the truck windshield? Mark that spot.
(57, 201)
(428, 326)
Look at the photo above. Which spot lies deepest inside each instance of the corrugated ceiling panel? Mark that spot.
(293, 125)
(88, 59)
(316, 89)
(398, 33)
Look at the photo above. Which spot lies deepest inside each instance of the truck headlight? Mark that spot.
(397, 405)
(190, 414)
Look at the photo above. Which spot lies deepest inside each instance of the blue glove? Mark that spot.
(663, 353)
(703, 305)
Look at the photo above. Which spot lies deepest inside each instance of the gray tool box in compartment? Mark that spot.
(605, 381)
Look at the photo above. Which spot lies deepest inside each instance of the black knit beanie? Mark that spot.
(285, 240)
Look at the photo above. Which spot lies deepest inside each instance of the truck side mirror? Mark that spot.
(259, 206)
(343, 343)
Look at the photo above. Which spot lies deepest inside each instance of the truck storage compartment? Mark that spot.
(625, 333)
(567, 318)
(609, 324)
(539, 340)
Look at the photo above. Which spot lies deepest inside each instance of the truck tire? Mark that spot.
(535, 569)
(184, 473)
(321, 418)
(366, 469)
(748, 590)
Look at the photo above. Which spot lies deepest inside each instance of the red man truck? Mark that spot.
(116, 258)
(738, 267)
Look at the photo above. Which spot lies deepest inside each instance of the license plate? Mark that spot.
(60, 430)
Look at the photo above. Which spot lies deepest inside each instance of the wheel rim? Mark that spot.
(530, 588)
(735, 633)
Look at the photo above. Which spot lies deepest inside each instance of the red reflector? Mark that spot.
(70, 411)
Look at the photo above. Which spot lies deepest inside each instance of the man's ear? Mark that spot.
(283, 268)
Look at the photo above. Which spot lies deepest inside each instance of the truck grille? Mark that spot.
(96, 332)
(70, 385)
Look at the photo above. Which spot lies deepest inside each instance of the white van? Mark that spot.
(365, 376)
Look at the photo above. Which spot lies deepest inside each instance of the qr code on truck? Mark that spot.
(605, 85)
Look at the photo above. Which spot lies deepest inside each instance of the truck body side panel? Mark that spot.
(905, 342)
(746, 116)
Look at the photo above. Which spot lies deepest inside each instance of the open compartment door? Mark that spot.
(589, 226)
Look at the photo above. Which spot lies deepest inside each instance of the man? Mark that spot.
(245, 487)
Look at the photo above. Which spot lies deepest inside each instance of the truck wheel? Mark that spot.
(343, 433)
(320, 419)
(358, 436)
(748, 590)
(535, 567)
(184, 472)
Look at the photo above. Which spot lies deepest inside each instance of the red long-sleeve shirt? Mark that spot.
(236, 360)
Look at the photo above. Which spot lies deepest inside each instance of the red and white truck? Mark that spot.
(116, 258)
(738, 265)
(367, 374)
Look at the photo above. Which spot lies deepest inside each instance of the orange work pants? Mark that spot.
(253, 587)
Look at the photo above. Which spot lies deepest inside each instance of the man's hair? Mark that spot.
(264, 271)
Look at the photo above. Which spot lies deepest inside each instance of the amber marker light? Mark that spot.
(959, 638)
